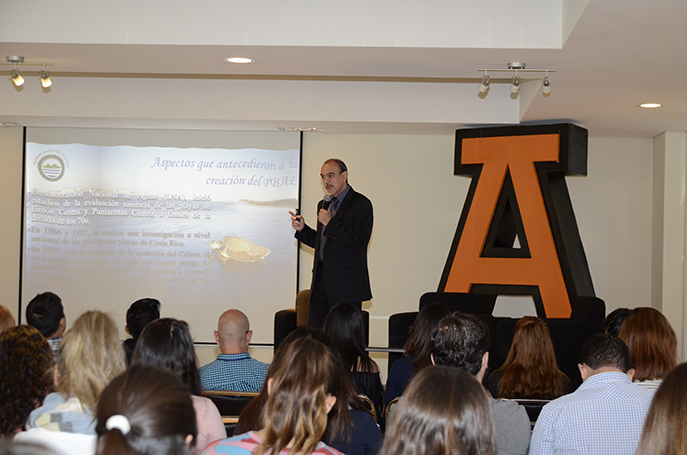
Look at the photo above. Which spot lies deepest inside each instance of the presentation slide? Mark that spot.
(201, 229)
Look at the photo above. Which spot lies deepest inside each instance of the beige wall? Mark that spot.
(417, 202)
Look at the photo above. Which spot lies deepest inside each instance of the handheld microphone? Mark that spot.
(327, 200)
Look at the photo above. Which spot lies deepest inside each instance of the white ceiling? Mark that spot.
(383, 66)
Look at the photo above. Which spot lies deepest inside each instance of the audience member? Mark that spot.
(25, 358)
(344, 325)
(9, 447)
(416, 351)
(90, 356)
(665, 428)
(443, 411)
(530, 370)
(234, 368)
(300, 394)
(146, 411)
(652, 343)
(46, 313)
(350, 429)
(167, 343)
(140, 313)
(461, 340)
(6, 319)
(614, 321)
(604, 416)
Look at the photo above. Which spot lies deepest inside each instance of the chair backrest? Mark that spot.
(389, 409)
(533, 407)
(456, 301)
(399, 330)
(369, 405)
(230, 403)
(302, 308)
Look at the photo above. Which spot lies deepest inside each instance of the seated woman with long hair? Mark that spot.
(25, 358)
(665, 427)
(530, 370)
(350, 428)
(443, 411)
(344, 325)
(167, 343)
(90, 356)
(416, 351)
(652, 343)
(146, 411)
(300, 395)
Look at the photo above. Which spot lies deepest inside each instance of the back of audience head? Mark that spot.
(531, 370)
(602, 352)
(339, 419)
(652, 343)
(145, 411)
(344, 325)
(419, 344)
(25, 360)
(461, 340)
(233, 332)
(614, 321)
(90, 356)
(301, 393)
(665, 427)
(46, 313)
(6, 319)
(167, 343)
(140, 313)
(443, 411)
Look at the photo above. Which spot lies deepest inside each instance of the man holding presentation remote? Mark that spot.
(344, 227)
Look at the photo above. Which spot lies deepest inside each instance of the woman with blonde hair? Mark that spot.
(443, 411)
(90, 356)
(530, 370)
(300, 394)
(665, 427)
(652, 343)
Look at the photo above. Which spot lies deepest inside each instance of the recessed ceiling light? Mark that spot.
(300, 128)
(650, 105)
(239, 60)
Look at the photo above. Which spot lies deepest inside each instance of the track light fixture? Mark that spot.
(484, 86)
(17, 79)
(515, 68)
(45, 78)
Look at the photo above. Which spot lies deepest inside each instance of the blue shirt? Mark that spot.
(237, 372)
(604, 416)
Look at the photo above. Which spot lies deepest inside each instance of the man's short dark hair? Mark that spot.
(460, 340)
(603, 350)
(44, 312)
(340, 163)
(140, 313)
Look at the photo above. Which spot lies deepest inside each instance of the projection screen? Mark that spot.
(196, 219)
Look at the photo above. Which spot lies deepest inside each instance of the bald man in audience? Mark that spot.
(234, 368)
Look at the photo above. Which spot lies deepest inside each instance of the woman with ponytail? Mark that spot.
(146, 411)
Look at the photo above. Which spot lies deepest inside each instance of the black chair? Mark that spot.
(290, 319)
(370, 407)
(533, 408)
(456, 301)
(230, 403)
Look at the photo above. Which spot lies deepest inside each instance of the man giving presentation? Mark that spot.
(344, 226)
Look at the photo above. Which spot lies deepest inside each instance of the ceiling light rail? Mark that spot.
(515, 68)
(18, 61)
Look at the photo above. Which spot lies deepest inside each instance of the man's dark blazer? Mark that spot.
(345, 252)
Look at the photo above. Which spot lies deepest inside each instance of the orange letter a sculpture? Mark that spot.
(517, 234)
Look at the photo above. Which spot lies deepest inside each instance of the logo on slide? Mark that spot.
(51, 167)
